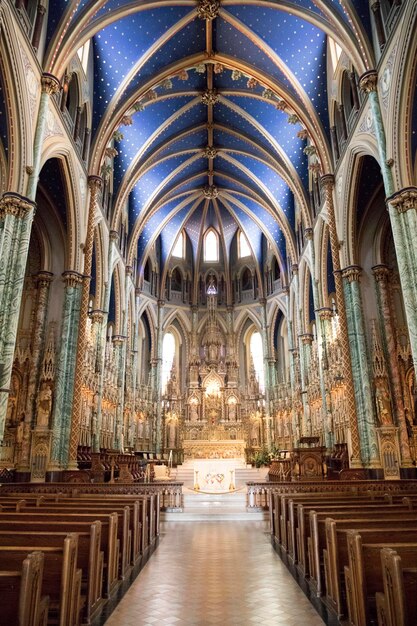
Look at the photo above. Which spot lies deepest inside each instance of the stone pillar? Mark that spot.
(360, 366)
(327, 183)
(97, 320)
(62, 414)
(50, 86)
(37, 31)
(381, 274)
(43, 280)
(94, 183)
(379, 24)
(158, 387)
(102, 334)
(77, 123)
(403, 220)
(16, 216)
(119, 341)
(265, 342)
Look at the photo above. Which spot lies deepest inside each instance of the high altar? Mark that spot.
(215, 420)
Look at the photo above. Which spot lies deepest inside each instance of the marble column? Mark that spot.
(94, 183)
(43, 281)
(403, 220)
(381, 274)
(306, 422)
(158, 386)
(294, 380)
(97, 320)
(64, 386)
(16, 216)
(327, 183)
(360, 366)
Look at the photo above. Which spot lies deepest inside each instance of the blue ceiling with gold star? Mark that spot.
(236, 105)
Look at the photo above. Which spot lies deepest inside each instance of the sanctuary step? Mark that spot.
(214, 507)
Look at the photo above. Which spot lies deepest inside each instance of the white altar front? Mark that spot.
(215, 475)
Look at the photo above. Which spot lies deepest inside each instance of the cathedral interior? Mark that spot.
(207, 232)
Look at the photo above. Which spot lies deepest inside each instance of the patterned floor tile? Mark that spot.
(210, 573)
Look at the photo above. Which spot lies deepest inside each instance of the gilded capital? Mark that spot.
(381, 273)
(72, 279)
(43, 279)
(368, 81)
(95, 182)
(404, 200)
(352, 273)
(306, 339)
(50, 84)
(97, 316)
(327, 180)
(325, 313)
(208, 9)
(15, 204)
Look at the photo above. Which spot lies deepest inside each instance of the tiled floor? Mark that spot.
(207, 573)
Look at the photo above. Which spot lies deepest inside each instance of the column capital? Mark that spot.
(404, 200)
(97, 316)
(368, 81)
(352, 273)
(327, 180)
(94, 182)
(306, 339)
(14, 204)
(50, 84)
(72, 278)
(324, 313)
(118, 340)
(43, 278)
(381, 273)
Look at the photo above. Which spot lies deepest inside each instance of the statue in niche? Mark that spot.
(20, 429)
(147, 429)
(383, 404)
(172, 433)
(193, 412)
(232, 412)
(140, 429)
(44, 406)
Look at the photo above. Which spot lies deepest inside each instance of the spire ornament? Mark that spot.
(208, 9)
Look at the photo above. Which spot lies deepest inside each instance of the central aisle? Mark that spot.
(214, 573)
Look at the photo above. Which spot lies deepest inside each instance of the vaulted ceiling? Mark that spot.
(216, 114)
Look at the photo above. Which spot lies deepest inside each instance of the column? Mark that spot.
(403, 221)
(379, 24)
(94, 183)
(64, 387)
(265, 342)
(360, 366)
(43, 280)
(158, 388)
(16, 216)
(37, 31)
(97, 320)
(327, 183)
(382, 274)
(119, 341)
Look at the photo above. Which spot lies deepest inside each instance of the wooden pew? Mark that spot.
(336, 552)
(21, 592)
(363, 576)
(89, 559)
(61, 579)
(397, 605)
(94, 510)
(72, 523)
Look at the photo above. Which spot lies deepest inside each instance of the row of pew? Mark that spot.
(63, 558)
(355, 553)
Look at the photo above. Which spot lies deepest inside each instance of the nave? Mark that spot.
(215, 573)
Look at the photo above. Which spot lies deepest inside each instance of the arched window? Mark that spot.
(244, 249)
(257, 354)
(178, 249)
(168, 354)
(211, 246)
